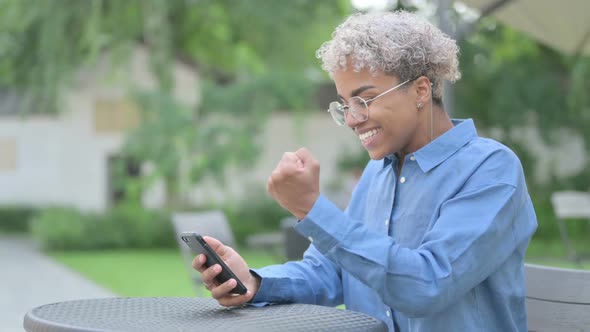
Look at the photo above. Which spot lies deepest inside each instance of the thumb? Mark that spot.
(215, 244)
(304, 155)
(308, 161)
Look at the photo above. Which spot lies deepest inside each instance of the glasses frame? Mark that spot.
(336, 106)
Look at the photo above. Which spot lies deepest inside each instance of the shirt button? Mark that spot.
(412, 158)
(386, 222)
(310, 238)
(402, 179)
(388, 313)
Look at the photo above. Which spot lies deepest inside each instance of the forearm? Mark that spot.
(314, 280)
(448, 263)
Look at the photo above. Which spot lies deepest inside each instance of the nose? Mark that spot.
(351, 121)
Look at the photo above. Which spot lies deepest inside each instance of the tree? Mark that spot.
(252, 55)
(511, 81)
(40, 47)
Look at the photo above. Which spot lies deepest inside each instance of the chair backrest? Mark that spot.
(557, 299)
(571, 204)
(295, 243)
(209, 223)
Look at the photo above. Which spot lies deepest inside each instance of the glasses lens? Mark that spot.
(337, 111)
(359, 109)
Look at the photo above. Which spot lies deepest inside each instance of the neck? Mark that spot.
(441, 122)
(430, 128)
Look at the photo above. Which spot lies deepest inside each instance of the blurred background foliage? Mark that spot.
(255, 57)
(245, 69)
(228, 42)
(510, 80)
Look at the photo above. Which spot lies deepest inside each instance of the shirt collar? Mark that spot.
(437, 151)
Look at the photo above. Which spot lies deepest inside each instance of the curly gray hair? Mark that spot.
(396, 43)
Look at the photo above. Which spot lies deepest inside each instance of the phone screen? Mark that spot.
(199, 246)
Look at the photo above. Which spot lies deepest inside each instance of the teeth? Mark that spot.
(368, 134)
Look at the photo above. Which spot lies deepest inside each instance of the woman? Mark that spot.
(435, 234)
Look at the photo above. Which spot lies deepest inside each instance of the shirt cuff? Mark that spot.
(324, 225)
(257, 299)
(274, 288)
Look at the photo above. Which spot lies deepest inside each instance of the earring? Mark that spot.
(419, 105)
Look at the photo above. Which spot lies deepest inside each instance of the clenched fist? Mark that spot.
(295, 182)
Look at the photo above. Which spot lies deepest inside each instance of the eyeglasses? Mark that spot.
(358, 108)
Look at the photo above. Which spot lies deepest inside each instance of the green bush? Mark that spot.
(15, 219)
(60, 228)
(125, 226)
(138, 227)
(350, 161)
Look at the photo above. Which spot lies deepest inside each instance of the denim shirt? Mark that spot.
(438, 247)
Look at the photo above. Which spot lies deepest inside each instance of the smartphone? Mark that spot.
(199, 246)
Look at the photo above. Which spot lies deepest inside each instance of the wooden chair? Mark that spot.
(209, 223)
(567, 205)
(557, 299)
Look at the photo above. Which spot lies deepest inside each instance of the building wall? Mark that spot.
(285, 133)
(57, 163)
(62, 160)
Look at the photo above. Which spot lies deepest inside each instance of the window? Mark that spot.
(7, 154)
(115, 116)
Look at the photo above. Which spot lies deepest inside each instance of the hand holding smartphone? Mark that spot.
(198, 245)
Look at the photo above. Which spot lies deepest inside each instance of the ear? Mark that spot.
(423, 88)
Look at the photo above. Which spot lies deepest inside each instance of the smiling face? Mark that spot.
(395, 124)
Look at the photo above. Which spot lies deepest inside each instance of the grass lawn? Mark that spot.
(161, 272)
(153, 272)
(553, 253)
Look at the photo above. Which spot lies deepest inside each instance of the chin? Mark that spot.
(377, 155)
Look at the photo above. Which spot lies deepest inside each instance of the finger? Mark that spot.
(223, 289)
(208, 276)
(276, 175)
(234, 300)
(216, 245)
(289, 163)
(270, 186)
(303, 154)
(199, 263)
(307, 158)
(289, 157)
(299, 161)
(285, 159)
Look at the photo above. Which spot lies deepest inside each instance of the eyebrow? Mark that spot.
(358, 91)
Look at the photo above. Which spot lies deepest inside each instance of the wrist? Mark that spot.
(304, 212)
(253, 283)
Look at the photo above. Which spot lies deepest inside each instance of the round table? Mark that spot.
(170, 314)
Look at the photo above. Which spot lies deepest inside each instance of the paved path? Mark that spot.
(28, 279)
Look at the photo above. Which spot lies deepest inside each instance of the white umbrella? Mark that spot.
(563, 25)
